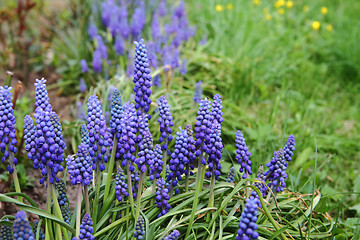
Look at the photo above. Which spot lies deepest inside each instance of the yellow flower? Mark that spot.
(229, 6)
(279, 3)
(219, 8)
(306, 8)
(315, 25)
(281, 11)
(266, 10)
(268, 17)
(256, 2)
(329, 27)
(289, 4)
(324, 10)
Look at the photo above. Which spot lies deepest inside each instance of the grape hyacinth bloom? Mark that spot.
(119, 45)
(80, 167)
(142, 79)
(128, 126)
(29, 139)
(35, 228)
(172, 236)
(80, 111)
(156, 168)
(116, 111)
(183, 69)
(157, 81)
(261, 177)
(98, 135)
(289, 148)
(92, 31)
(84, 66)
(65, 212)
(214, 149)
(216, 109)
(6, 232)
(191, 151)
(142, 126)
(120, 185)
(82, 85)
(231, 175)
(86, 229)
(277, 171)
(7, 129)
(166, 123)
(198, 92)
(61, 189)
(138, 20)
(162, 197)
(139, 228)
(84, 134)
(21, 228)
(242, 155)
(96, 62)
(42, 101)
(146, 155)
(247, 225)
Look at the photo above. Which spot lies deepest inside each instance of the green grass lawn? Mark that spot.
(280, 76)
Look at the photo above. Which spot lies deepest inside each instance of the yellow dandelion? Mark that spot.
(279, 3)
(324, 10)
(329, 27)
(315, 25)
(266, 10)
(281, 11)
(256, 2)
(289, 4)
(229, 6)
(219, 8)
(306, 8)
(268, 17)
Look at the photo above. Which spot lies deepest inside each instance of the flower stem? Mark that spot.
(211, 195)
(138, 197)
(86, 199)
(198, 187)
(111, 167)
(131, 198)
(97, 193)
(15, 177)
(163, 173)
(78, 210)
(187, 179)
(48, 209)
(153, 191)
(58, 211)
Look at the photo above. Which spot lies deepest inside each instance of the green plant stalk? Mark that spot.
(201, 172)
(153, 191)
(130, 187)
(97, 193)
(127, 220)
(78, 210)
(115, 213)
(211, 195)
(138, 197)
(163, 173)
(58, 212)
(86, 199)
(187, 179)
(15, 177)
(111, 167)
(48, 209)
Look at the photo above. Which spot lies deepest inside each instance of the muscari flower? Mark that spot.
(162, 197)
(231, 175)
(277, 171)
(242, 155)
(116, 111)
(130, 66)
(6, 232)
(7, 129)
(142, 79)
(84, 134)
(166, 122)
(214, 149)
(98, 133)
(65, 212)
(21, 228)
(183, 69)
(41, 96)
(86, 229)
(139, 228)
(216, 110)
(156, 168)
(289, 148)
(82, 85)
(155, 27)
(58, 130)
(35, 227)
(29, 139)
(178, 158)
(138, 20)
(172, 236)
(198, 92)
(247, 225)
(146, 155)
(81, 115)
(191, 151)
(157, 81)
(260, 176)
(61, 189)
(80, 167)
(119, 45)
(202, 128)
(84, 66)
(92, 31)
(142, 126)
(120, 185)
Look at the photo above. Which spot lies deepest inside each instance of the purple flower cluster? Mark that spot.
(21, 228)
(61, 189)
(216, 110)
(231, 175)
(82, 85)
(139, 228)
(80, 167)
(289, 148)
(7, 129)
(142, 79)
(116, 111)
(166, 122)
(98, 134)
(120, 185)
(84, 66)
(84, 134)
(198, 92)
(242, 155)
(203, 128)
(261, 176)
(29, 139)
(66, 213)
(172, 236)
(214, 149)
(142, 126)
(277, 171)
(247, 225)
(156, 168)
(191, 151)
(6, 232)
(86, 229)
(162, 197)
(42, 101)
(146, 155)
